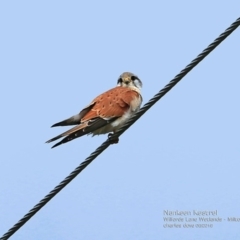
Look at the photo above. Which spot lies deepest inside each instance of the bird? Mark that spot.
(106, 113)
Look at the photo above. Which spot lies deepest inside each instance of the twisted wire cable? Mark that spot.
(133, 119)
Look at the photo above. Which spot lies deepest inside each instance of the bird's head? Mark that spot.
(130, 80)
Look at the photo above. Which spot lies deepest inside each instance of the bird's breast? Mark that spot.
(115, 125)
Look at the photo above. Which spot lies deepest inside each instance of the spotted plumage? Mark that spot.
(107, 112)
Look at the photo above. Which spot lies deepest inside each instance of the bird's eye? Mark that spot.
(133, 78)
(120, 80)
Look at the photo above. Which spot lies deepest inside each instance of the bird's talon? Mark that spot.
(112, 141)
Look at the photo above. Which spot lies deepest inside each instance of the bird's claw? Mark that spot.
(114, 140)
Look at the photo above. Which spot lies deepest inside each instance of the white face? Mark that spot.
(137, 82)
(129, 80)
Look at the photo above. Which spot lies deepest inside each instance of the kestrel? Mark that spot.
(107, 112)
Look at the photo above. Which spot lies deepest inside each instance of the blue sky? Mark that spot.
(183, 154)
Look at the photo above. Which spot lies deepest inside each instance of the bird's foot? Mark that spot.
(114, 140)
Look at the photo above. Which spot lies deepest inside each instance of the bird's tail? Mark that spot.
(69, 135)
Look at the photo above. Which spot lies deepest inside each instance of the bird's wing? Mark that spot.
(80, 130)
(104, 109)
(111, 104)
(76, 119)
